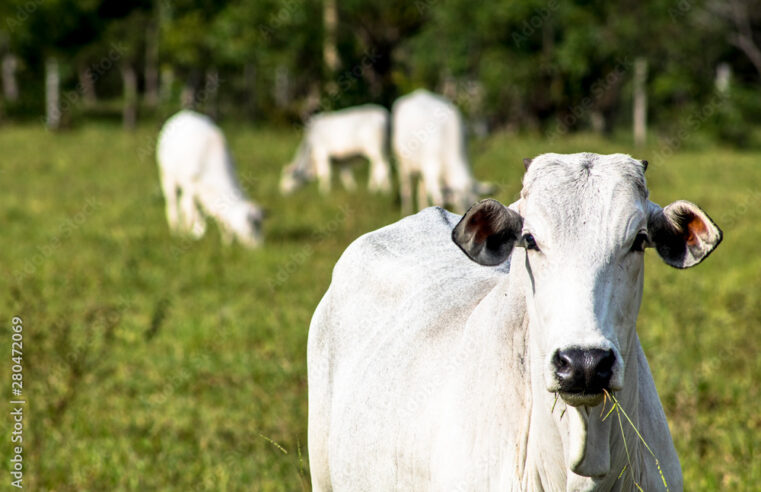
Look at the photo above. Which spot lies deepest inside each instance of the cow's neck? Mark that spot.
(588, 445)
(579, 440)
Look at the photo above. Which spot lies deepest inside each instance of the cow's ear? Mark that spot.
(487, 232)
(682, 233)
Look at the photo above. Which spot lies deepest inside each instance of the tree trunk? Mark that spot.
(597, 121)
(282, 86)
(723, 78)
(188, 96)
(129, 79)
(151, 95)
(640, 101)
(87, 84)
(10, 86)
(52, 94)
(211, 90)
(329, 50)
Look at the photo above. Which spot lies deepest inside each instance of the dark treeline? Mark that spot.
(550, 65)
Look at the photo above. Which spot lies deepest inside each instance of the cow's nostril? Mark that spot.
(569, 370)
(561, 360)
(605, 366)
(583, 370)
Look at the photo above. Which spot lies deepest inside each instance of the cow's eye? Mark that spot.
(529, 242)
(640, 242)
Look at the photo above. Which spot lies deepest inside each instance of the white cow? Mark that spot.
(198, 179)
(351, 132)
(428, 141)
(429, 371)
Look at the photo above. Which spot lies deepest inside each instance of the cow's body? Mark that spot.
(431, 386)
(428, 371)
(358, 131)
(198, 179)
(428, 140)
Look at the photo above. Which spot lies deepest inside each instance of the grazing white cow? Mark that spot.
(198, 179)
(351, 132)
(429, 371)
(428, 140)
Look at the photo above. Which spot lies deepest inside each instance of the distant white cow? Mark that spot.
(429, 371)
(351, 132)
(198, 179)
(428, 140)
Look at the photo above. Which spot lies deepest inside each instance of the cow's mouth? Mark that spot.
(582, 399)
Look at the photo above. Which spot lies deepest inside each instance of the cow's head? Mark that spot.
(244, 220)
(293, 177)
(583, 223)
(298, 172)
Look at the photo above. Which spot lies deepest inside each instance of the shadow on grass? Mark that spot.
(298, 233)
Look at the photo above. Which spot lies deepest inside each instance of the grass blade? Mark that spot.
(620, 410)
(269, 440)
(609, 412)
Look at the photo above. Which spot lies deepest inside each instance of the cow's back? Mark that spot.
(189, 144)
(386, 332)
(426, 127)
(349, 131)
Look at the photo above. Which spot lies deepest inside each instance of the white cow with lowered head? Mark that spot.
(198, 179)
(474, 352)
(359, 131)
(428, 139)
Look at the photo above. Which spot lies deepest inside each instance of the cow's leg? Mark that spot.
(459, 200)
(170, 189)
(432, 185)
(346, 175)
(422, 194)
(322, 169)
(193, 221)
(319, 362)
(463, 199)
(380, 173)
(318, 432)
(405, 190)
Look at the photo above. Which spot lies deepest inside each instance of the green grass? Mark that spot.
(152, 363)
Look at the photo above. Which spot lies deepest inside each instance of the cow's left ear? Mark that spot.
(487, 232)
(682, 233)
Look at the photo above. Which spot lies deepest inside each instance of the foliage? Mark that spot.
(532, 64)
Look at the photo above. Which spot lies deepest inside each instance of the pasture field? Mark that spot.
(154, 363)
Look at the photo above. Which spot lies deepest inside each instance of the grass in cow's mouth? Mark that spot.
(620, 411)
(555, 403)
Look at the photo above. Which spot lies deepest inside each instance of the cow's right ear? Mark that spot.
(487, 232)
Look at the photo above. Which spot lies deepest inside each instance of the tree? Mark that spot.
(742, 19)
(126, 29)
